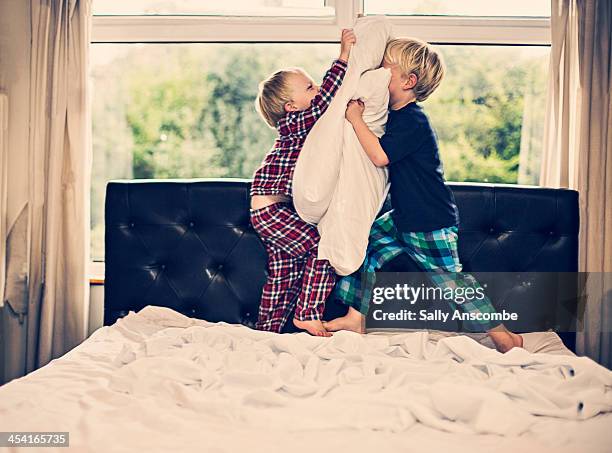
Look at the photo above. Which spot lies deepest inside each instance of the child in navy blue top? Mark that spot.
(424, 221)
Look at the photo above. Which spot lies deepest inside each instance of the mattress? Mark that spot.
(161, 381)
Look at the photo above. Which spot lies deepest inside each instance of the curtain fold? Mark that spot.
(4, 226)
(577, 150)
(59, 186)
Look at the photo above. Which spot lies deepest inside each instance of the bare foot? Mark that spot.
(314, 327)
(505, 340)
(353, 321)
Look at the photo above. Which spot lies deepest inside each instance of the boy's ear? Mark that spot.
(290, 107)
(410, 81)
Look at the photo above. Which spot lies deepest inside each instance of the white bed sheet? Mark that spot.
(160, 381)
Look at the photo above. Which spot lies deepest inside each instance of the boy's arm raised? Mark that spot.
(301, 122)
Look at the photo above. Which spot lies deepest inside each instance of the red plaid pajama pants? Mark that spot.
(294, 272)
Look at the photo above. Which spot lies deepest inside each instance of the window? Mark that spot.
(182, 111)
(488, 113)
(173, 95)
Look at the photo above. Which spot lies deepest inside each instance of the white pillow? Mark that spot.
(373, 90)
(361, 186)
(318, 165)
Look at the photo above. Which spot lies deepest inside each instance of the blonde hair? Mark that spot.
(273, 94)
(419, 58)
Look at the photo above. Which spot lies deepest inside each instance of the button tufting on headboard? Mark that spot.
(194, 250)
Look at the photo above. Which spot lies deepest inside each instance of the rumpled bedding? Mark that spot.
(158, 380)
(335, 185)
(455, 385)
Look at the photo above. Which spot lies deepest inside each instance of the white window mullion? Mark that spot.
(347, 11)
(473, 30)
(212, 29)
(282, 29)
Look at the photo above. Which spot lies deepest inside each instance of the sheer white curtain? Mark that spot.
(577, 150)
(59, 179)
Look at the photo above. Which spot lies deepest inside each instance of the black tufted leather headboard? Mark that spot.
(188, 244)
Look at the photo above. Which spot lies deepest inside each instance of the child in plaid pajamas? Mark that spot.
(290, 101)
(424, 221)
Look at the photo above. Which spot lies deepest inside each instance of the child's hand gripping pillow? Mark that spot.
(318, 165)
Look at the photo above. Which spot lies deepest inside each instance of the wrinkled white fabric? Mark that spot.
(318, 165)
(335, 185)
(160, 380)
(361, 187)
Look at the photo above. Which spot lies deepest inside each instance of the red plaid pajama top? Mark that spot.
(275, 175)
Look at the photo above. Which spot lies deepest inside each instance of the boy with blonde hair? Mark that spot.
(291, 102)
(424, 221)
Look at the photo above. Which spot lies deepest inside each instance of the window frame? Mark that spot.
(459, 30)
(249, 29)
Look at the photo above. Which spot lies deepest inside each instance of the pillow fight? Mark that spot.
(308, 261)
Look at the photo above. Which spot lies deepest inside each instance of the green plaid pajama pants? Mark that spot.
(434, 252)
